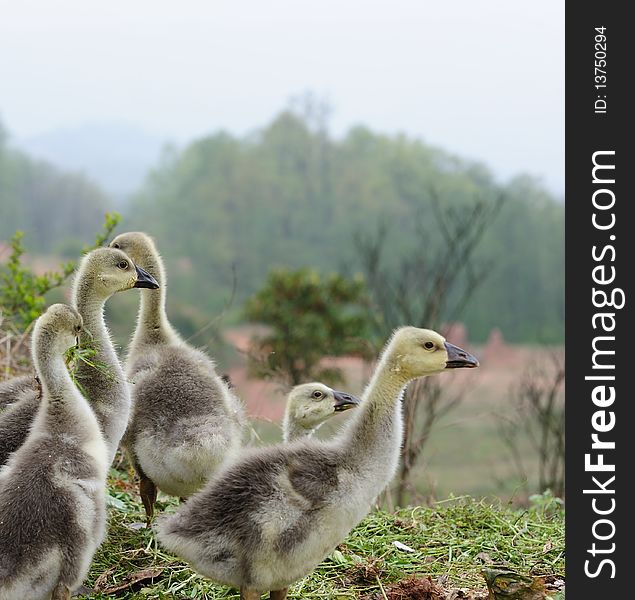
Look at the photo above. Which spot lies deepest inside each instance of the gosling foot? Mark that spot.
(249, 594)
(278, 594)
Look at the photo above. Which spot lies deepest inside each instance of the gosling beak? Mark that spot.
(458, 358)
(344, 401)
(145, 280)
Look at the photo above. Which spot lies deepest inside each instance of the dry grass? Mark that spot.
(15, 351)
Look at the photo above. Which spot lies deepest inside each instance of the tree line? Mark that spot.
(58, 211)
(225, 210)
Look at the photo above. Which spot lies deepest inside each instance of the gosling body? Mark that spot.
(11, 390)
(183, 424)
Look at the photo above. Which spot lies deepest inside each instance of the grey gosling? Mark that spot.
(52, 490)
(309, 406)
(269, 518)
(101, 273)
(185, 421)
(11, 390)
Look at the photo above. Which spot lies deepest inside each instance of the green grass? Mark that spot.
(453, 538)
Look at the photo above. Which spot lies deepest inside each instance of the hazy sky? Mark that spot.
(483, 79)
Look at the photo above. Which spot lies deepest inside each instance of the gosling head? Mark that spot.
(137, 245)
(415, 352)
(60, 325)
(109, 270)
(310, 404)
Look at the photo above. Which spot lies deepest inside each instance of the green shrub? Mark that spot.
(22, 292)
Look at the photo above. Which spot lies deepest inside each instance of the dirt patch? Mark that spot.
(415, 589)
(424, 588)
(366, 572)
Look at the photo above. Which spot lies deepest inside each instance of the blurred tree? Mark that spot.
(293, 195)
(49, 205)
(526, 286)
(310, 316)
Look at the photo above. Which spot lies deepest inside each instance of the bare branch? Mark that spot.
(540, 420)
(418, 290)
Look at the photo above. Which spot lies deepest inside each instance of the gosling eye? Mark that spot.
(429, 345)
(115, 245)
(317, 394)
(123, 264)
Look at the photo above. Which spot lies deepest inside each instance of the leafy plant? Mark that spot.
(546, 502)
(86, 354)
(310, 316)
(22, 292)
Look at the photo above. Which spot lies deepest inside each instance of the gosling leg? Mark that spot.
(249, 594)
(148, 492)
(278, 594)
(61, 592)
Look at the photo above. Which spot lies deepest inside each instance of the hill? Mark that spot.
(116, 155)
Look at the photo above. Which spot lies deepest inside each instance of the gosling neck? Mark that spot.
(153, 326)
(292, 430)
(51, 368)
(385, 388)
(90, 305)
(374, 435)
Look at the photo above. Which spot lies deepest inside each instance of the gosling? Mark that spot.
(185, 420)
(269, 518)
(309, 406)
(52, 490)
